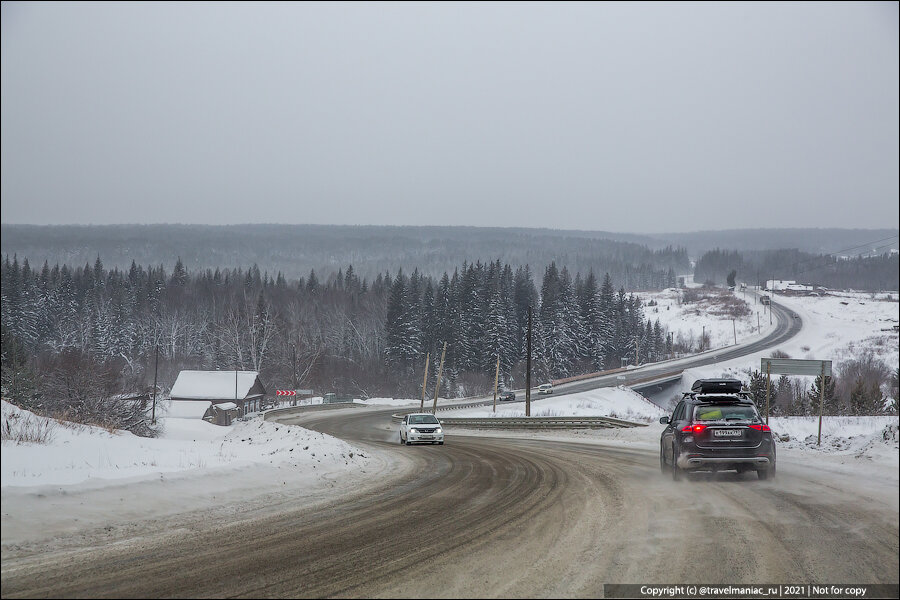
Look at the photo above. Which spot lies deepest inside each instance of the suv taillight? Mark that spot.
(693, 428)
(759, 427)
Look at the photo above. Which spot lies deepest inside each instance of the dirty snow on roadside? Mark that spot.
(618, 403)
(73, 453)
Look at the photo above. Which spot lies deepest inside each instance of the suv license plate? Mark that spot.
(726, 432)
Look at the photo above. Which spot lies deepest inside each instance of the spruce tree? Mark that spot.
(831, 403)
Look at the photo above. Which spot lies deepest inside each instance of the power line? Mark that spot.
(863, 245)
(807, 270)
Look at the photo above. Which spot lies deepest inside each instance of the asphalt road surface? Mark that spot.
(489, 517)
(500, 517)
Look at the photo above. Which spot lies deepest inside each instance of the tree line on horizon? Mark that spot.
(866, 273)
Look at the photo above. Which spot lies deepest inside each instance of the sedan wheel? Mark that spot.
(662, 461)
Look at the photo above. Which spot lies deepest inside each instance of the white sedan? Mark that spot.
(421, 427)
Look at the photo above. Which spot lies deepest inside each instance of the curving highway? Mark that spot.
(507, 517)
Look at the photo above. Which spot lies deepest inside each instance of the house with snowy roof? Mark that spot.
(238, 392)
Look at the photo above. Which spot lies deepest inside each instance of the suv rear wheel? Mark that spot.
(676, 470)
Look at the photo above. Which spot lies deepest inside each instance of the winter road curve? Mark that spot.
(488, 517)
(498, 517)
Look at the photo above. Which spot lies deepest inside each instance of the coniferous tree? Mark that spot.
(757, 388)
(18, 381)
(865, 399)
(831, 404)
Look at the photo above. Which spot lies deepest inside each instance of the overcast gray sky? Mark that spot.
(618, 117)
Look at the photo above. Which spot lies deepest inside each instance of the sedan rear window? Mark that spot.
(725, 412)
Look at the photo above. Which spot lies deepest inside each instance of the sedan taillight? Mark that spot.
(759, 427)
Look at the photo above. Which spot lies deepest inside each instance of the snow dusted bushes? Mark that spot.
(715, 301)
(78, 387)
(25, 428)
(857, 388)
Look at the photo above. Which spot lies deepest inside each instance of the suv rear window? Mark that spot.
(725, 412)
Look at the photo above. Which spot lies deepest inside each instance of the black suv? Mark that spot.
(507, 395)
(716, 427)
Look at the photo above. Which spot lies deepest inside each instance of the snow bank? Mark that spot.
(619, 403)
(856, 435)
(390, 402)
(76, 453)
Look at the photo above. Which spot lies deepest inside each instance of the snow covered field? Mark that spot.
(74, 453)
(687, 322)
(835, 327)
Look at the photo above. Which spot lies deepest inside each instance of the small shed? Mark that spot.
(243, 389)
(187, 409)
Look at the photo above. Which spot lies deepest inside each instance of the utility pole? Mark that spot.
(155, 373)
(703, 339)
(294, 381)
(528, 368)
(734, 328)
(437, 386)
(424, 383)
(768, 388)
(821, 402)
(496, 380)
(758, 328)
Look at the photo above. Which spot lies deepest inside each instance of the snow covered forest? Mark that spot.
(870, 273)
(88, 328)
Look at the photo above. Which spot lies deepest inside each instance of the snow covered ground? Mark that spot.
(687, 322)
(619, 403)
(199, 466)
(73, 453)
(836, 327)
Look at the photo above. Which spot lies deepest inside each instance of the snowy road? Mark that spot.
(500, 516)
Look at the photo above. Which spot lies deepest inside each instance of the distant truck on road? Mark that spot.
(764, 299)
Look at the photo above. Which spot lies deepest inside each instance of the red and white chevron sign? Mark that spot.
(285, 393)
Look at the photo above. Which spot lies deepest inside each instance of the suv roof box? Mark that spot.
(717, 386)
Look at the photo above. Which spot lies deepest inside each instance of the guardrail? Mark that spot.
(535, 422)
(307, 408)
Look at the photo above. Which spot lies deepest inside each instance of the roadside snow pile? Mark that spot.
(76, 453)
(856, 435)
(388, 401)
(618, 403)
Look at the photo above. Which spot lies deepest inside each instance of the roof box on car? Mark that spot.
(717, 386)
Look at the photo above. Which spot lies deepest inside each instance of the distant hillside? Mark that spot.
(296, 249)
(850, 242)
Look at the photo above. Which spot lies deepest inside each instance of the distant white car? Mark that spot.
(421, 427)
(545, 388)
